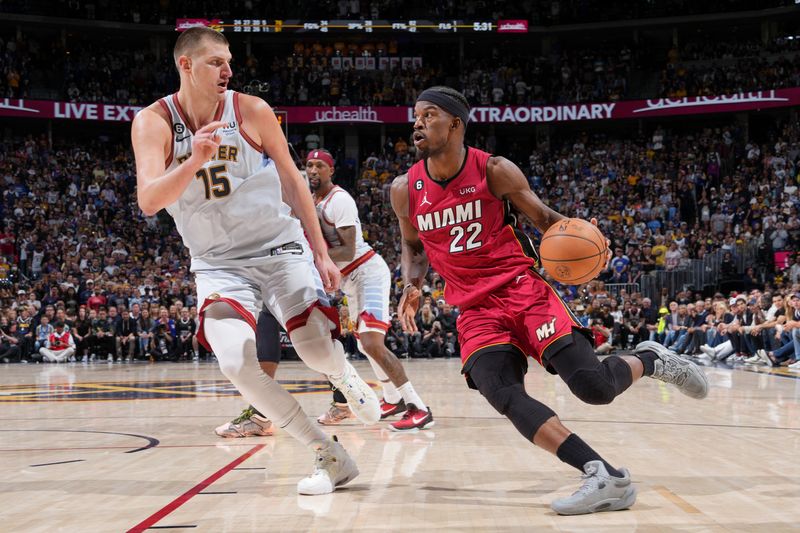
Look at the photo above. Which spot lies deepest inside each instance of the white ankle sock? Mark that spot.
(390, 392)
(410, 395)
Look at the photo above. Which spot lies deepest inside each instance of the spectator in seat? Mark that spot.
(396, 339)
(80, 333)
(126, 337)
(25, 332)
(43, 331)
(9, 343)
(620, 266)
(426, 342)
(447, 320)
(602, 336)
(185, 328)
(60, 346)
(103, 336)
(145, 327)
(163, 341)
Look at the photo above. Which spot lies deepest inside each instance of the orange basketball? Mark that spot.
(573, 251)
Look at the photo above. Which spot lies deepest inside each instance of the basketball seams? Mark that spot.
(574, 259)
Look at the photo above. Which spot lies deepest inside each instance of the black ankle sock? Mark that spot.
(648, 359)
(338, 397)
(577, 453)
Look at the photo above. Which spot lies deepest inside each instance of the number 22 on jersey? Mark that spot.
(472, 232)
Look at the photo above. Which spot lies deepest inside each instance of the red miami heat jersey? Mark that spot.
(466, 233)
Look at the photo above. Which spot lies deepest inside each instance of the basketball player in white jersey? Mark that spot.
(366, 282)
(199, 156)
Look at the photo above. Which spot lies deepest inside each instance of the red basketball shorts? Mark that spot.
(526, 313)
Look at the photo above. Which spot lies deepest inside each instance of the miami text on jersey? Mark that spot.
(450, 216)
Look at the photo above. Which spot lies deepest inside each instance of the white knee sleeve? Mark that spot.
(314, 345)
(234, 343)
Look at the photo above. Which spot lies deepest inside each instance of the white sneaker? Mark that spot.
(110, 358)
(753, 360)
(794, 367)
(708, 351)
(71, 358)
(360, 397)
(333, 467)
(600, 492)
(85, 359)
(762, 355)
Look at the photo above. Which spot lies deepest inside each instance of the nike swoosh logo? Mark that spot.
(420, 419)
(181, 139)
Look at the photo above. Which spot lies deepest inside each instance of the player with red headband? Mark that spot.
(366, 282)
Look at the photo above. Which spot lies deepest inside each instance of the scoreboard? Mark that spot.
(253, 25)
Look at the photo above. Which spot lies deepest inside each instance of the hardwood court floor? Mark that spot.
(117, 447)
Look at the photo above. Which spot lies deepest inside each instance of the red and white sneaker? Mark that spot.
(390, 409)
(413, 420)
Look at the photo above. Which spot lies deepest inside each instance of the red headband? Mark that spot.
(322, 155)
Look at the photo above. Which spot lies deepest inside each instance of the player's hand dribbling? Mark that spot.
(608, 244)
(205, 142)
(409, 303)
(328, 272)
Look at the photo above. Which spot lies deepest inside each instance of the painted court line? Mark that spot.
(59, 463)
(685, 506)
(153, 519)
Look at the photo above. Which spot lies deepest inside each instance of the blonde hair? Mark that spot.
(191, 39)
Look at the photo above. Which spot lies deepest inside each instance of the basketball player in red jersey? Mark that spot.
(455, 207)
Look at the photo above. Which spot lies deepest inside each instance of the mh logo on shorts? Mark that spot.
(548, 329)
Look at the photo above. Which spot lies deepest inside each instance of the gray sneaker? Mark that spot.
(671, 368)
(600, 492)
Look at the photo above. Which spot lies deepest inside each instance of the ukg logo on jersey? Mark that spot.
(346, 114)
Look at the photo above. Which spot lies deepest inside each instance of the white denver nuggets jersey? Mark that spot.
(232, 213)
(338, 210)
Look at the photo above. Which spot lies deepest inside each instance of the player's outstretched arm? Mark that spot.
(260, 117)
(151, 138)
(413, 260)
(507, 182)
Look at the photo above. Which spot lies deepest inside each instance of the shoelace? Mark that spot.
(247, 413)
(590, 484)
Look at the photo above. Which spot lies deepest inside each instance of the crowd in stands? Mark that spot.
(330, 72)
(709, 78)
(77, 254)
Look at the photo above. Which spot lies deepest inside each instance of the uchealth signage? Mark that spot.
(627, 109)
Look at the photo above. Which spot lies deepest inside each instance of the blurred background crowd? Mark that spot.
(703, 213)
